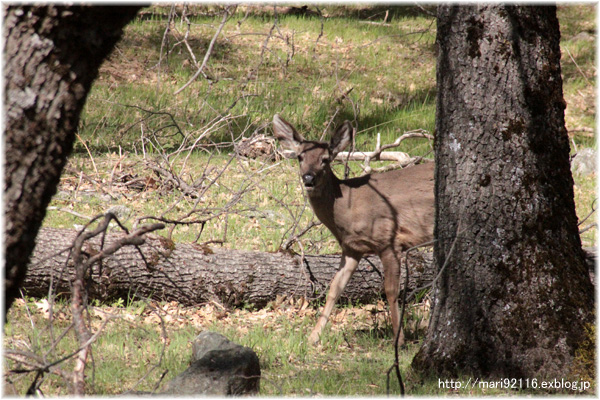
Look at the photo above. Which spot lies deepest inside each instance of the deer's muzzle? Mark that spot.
(308, 180)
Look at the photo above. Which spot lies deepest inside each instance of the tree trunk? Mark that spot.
(51, 57)
(191, 274)
(515, 294)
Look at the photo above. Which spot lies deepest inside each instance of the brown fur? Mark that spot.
(381, 214)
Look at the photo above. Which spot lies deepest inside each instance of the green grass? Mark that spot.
(578, 46)
(133, 342)
(301, 74)
(354, 358)
(144, 346)
(585, 199)
(132, 117)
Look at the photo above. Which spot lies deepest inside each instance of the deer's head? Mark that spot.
(314, 156)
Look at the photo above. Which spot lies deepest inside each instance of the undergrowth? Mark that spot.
(316, 72)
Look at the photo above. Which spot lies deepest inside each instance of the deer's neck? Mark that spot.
(323, 201)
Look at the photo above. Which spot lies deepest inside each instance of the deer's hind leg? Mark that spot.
(391, 282)
(348, 265)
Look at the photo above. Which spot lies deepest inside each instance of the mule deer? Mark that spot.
(381, 214)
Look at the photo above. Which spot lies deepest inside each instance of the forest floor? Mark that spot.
(140, 147)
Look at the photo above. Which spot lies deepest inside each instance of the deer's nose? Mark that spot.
(308, 180)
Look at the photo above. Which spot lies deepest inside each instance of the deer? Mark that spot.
(381, 213)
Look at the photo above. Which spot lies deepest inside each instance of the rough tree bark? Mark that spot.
(515, 295)
(51, 57)
(191, 274)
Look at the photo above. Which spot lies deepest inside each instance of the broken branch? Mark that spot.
(208, 52)
(401, 158)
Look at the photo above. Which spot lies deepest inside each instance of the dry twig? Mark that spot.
(378, 154)
(79, 296)
(226, 14)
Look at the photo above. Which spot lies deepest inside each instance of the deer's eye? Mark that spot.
(300, 157)
(325, 160)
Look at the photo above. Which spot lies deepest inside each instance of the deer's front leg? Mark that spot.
(348, 265)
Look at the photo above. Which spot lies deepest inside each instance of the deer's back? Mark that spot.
(394, 208)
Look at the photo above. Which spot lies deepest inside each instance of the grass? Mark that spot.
(354, 358)
(132, 117)
(133, 341)
(153, 341)
(302, 74)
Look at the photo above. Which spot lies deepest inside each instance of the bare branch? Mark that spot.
(378, 154)
(226, 14)
(396, 156)
(164, 43)
(79, 288)
(420, 32)
(587, 228)
(578, 68)
(321, 31)
(82, 216)
(589, 214)
(295, 238)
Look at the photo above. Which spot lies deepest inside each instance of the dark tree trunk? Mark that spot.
(51, 57)
(192, 275)
(515, 294)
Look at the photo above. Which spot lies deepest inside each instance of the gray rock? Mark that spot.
(120, 211)
(218, 368)
(62, 195)
(584, 162)
(584, 36)
(207, 341)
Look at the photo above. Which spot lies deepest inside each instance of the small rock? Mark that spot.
(584, 36)
(219, 368)
(62, 195)
(120, 211)
(106, 197)
(584, 162)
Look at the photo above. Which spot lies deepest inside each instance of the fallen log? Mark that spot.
(192, 274)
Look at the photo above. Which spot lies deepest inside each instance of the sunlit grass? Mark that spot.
(388, 73)
(134, 342)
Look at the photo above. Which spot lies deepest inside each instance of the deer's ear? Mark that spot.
(287, 135)
(341, 138)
